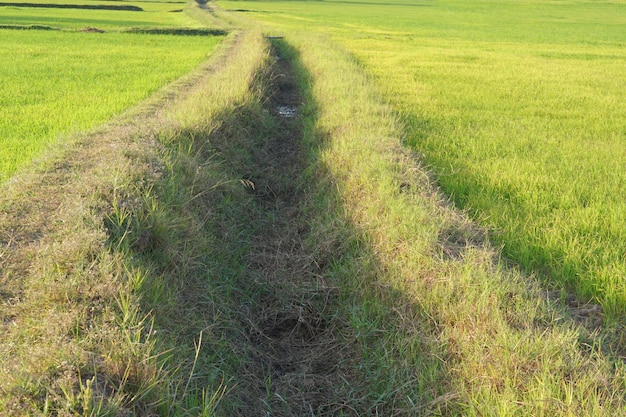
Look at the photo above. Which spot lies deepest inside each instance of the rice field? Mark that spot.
(154, 13)
(54, 83)
(518, 109)
(214, 255)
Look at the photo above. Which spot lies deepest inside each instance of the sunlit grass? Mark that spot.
(155, 13)
(61, 82)
(109, 315)
(518, 106)
(446, 329)
(529, 138)
(147, 242)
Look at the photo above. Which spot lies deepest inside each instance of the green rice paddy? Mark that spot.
(155, 13)
(57, 82)
(141, 279)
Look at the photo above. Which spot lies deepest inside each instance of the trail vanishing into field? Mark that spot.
(297, 357)
(255, 240)
(105, 289)
(294, 368)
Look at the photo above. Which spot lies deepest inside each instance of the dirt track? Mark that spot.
(299, 361)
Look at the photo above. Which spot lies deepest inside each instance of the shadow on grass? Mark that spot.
(549, 265)
(398, 369)
(259, 284)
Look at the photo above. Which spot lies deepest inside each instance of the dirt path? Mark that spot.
(295, 350)
(299, 355)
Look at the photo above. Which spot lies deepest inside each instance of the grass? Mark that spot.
(155, 13)
(78, 333)
(118, 310)
(202, 256)
(445, 327)
(442, 327)
(60, 83)
(48, 89)
(517, 107)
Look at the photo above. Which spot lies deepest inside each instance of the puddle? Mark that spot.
(286, 111)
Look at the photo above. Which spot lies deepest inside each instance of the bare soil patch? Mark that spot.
(92, 30)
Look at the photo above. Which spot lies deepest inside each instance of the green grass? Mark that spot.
(529, 142)
(518, 108)
(442, 327)
(120, 309)
(58, 83)
(155, 13)
(143, 275)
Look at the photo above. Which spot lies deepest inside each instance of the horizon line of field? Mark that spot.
(126, 8)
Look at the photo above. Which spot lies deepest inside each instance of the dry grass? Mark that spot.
(76, 336)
